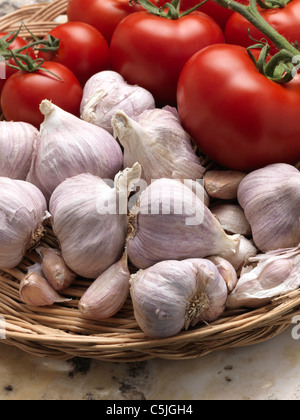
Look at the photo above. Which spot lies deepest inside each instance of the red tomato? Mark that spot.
(82, 48)
(237, 116)
(6, 71)
(104, 15)
(23, 92)
(151, 51)
(285, 19)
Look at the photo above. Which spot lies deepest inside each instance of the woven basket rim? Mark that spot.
(59, 332)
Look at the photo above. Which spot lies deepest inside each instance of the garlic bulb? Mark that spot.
(17, 143)
(157, 140)
(173, 295)
(89, 218)
(23, 211)
(36, 291)
(54, 268)
(275, 273)
(108, 293)
(232, 218)
(270, 197)
(69, 146)
(223, 184)
(170, 222)
(106, 92)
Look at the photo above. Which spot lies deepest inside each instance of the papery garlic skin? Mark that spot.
(89, 218)
(172, 295)
(17, 144)
(54, 268)
(105, 93)
(108, 293)
(36, 291)
(23, 211)
(69, 146)
(275, 273)
(171, 222)
(270, 197)
(157, 140)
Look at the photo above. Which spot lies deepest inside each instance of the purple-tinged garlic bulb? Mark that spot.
(170, 222)
(89, 218)
(270, 197)
(157, 140)
(173, 295)
(107, 92)
(23, 213)
(69, 146)
(17, 143)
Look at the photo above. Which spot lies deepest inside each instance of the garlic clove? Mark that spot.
(69, 146)
(170, 222)
(36, 291)
(108, 293)
(226, 270)
(270, 197)
(157, 140)
(23, 213)
(105, 93)
(55, 270)
(232, 218)
(275, 273)
(17, 143)
(173, 295)
(89, 218)
(223, 184)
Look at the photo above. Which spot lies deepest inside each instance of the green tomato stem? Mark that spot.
(253, 16)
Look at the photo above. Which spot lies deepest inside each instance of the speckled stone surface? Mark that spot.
(266, 371)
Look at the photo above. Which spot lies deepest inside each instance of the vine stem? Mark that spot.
(251, 13)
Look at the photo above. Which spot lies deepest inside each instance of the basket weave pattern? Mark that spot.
(60, 332)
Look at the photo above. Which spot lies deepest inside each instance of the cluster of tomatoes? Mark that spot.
(197, 62)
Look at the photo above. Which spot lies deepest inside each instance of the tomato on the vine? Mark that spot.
(237, 116)
(104, 15)
(284, 19)
(82, 48)
(23, 92)
(150, 50)
(5, 70)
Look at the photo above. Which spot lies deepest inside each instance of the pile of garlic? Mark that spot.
(135, 212)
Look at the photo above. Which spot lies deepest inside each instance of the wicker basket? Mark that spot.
(59, 332)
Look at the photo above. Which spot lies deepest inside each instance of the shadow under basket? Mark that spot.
(60, 331)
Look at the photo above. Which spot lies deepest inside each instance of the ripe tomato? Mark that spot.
(6, 71)
(82, 48)
(285, 19)
(151, 51)
(237, 116)
(23, 92)
(104, 15)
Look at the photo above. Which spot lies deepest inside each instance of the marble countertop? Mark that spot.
(266, 371)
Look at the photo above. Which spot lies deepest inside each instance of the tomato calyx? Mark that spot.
(168, 10)
(278, 68)
(22, 60)
(283, 66)
(272, 4)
